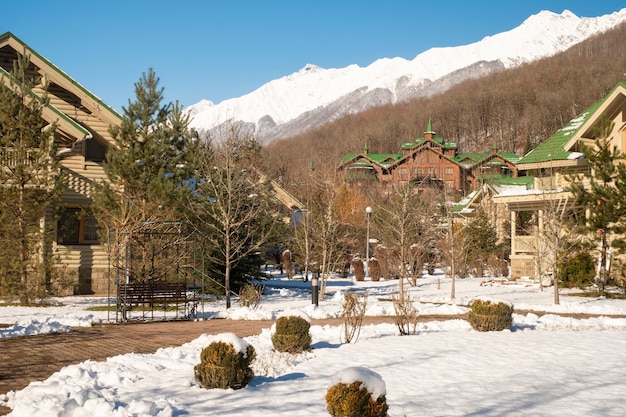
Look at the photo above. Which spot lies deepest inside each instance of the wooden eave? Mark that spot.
(611, 106)
(562, 163)
(67, 127)
(71, 98)
(419, 150)
(531, 201)
(346, 164)
(490, 158)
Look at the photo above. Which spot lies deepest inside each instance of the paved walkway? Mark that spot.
(35, 358)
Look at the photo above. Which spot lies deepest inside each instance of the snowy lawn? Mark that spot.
(544, 366)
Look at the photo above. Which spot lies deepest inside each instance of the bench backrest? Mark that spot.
(149, 291)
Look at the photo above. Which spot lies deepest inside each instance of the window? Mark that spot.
(448, 171)
(76, 227)
(94, 151)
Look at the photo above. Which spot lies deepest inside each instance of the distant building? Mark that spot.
(429, 162)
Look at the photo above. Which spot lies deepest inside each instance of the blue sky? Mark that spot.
(216, 50)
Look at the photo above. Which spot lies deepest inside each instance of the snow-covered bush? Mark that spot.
(357, 391)
(486, 316)
(225, 363)
(292, 334)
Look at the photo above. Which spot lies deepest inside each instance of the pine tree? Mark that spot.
(481, 241)
(30, 185)
(141, 205)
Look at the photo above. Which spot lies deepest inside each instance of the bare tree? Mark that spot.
(232, 206)
(403, 219)
(326, 228)
(556, 234)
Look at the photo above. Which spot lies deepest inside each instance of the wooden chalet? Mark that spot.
(547, 165)
(82, 138)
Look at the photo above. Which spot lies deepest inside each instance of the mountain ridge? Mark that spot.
(313, 95)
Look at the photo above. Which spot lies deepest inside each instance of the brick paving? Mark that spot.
(35, 358)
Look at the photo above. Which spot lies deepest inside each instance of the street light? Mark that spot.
(368, 211)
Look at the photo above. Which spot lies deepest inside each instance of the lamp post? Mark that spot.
(368, 212)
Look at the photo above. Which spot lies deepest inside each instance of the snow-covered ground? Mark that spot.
(545, 365)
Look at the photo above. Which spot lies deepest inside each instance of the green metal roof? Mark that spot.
(348, 157)
(504, 179)
(552, 148)
(458, 207)
(469, 159)
(418, 141)
(379, 158)
(510, 156)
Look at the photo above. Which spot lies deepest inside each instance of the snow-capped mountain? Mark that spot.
(314, 96)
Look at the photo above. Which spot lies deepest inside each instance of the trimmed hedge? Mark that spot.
(485, 316)
(292, 335)
(354, 400)
(222, 367)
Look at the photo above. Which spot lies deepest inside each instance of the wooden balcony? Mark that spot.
(524, 244)
(10, 157)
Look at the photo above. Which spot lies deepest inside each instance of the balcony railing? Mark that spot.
(524, 244)
(10, 157)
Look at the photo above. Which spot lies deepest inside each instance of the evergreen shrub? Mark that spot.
(485, 316)
(354, 400)
(292, 335)
(577, 271)
(221, 366)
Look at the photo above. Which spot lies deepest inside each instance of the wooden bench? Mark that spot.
(155, 294)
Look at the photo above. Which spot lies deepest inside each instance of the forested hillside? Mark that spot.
(515, 109)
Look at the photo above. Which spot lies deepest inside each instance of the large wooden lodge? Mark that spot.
(427, 162)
